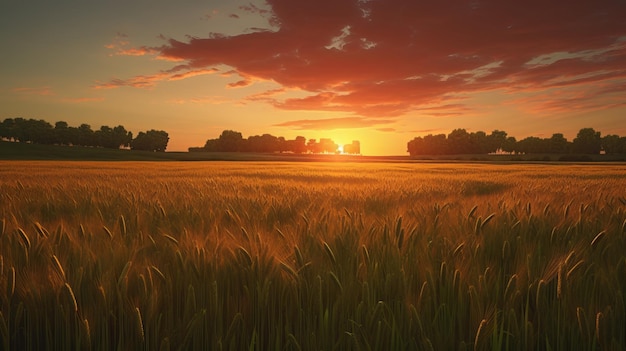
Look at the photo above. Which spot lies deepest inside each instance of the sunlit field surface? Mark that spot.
(312, 256)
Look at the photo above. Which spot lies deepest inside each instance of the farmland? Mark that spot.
(311, 256)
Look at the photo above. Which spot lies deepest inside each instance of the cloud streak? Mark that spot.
(121, 47)
(40, 91)
(149, 81)
(206, 100)
(83, 99)
(335, 123)
(379, 58)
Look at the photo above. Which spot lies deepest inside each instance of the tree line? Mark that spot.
(41, 132)
(233, 141)
(459, 141)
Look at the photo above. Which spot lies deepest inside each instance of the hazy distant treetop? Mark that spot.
(459, 141)
(233, 141)
(41, 132)
(152, 140)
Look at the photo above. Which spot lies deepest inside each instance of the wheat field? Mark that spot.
(312, 256)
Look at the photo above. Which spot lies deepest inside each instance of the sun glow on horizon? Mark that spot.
(197, 69)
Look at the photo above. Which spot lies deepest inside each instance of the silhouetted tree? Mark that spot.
(496, 141)
(62, 134)
(313, 146)
(41, 132)
(230, 141)
(5, 129)
(428, 145)
(212, 145)
(354, 148)
(122, 136)
(612, 144)
(415, 147)
(437, 145)
(479, 143)
(622, 143)
(17, 129)
(104, 137)
(557, 144)
(265, 143)
(85, 136)
(152, 140)
(328, 146)
(74, 136)
(587, 141)
(113, 138)
(510, 145)
(298, 145)
(281, 144)
(458, 141)
(38, 131)
(532, 145)
(27, 130)
(12, 129)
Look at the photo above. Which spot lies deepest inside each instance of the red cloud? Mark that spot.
(386, 58)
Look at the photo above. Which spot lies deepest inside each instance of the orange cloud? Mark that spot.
(149, 81)
(121, 47)
(192, 73)
(268, 95)
(334, 123)
(388, 58)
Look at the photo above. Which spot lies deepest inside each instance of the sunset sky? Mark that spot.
(382, 72)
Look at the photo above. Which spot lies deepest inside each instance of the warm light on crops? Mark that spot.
(312, 256)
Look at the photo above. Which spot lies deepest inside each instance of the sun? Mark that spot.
(341, 142)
